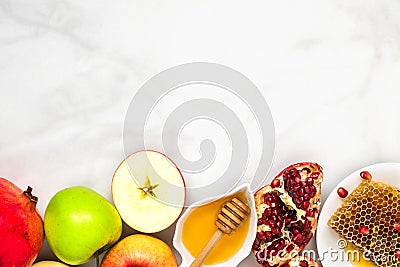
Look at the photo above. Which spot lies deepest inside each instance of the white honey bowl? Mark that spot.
(187, 258)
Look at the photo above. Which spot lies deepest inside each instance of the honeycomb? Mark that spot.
(376, 206)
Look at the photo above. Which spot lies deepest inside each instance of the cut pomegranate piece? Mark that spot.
(287, 212)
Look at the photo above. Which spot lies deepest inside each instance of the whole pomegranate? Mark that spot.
(287, 211)
(21, 227)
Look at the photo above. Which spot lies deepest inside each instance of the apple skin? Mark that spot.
(140, 250)
(79, 224)
(49, 264)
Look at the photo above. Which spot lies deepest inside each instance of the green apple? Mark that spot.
(49, 264)
(80, 224)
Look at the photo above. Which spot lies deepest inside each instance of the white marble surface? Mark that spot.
(330, 71)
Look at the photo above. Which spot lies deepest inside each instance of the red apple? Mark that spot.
(21, 227)
(140, 250)
(148, 191)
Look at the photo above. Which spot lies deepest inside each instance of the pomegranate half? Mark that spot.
(21, 227)
(287, 211)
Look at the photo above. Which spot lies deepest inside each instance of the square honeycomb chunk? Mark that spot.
(376, 206)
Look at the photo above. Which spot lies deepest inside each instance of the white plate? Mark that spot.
(327, 238)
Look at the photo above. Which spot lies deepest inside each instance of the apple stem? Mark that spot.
(97, 259)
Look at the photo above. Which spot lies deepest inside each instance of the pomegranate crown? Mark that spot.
(28, 193)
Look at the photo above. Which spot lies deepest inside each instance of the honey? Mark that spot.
(356, 258)
(372, 206)
(199, 226)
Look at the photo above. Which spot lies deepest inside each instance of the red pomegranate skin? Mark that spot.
(21, 227)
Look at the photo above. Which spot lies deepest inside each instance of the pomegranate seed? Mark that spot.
(303, 263)
(298, 200)
(310, 181)
(268, 199)
(261, 235)
(363, 230)
(366, 175)
(268, 236)
(280, 245)
(267, 212)
(296, 187)
(300, 191)
(398, 253)
(306, 204)
(275, 183)
(397, 226)
(256, 244)
(297, 238)
(342, 192)
(276, 231)
(307, 197)
(314, 175)
(290, 248)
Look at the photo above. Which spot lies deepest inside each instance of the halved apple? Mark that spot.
(148, 191)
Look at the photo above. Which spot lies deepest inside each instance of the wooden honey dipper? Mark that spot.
(231, 216)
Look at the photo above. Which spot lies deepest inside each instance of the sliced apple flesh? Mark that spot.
(148, 191)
